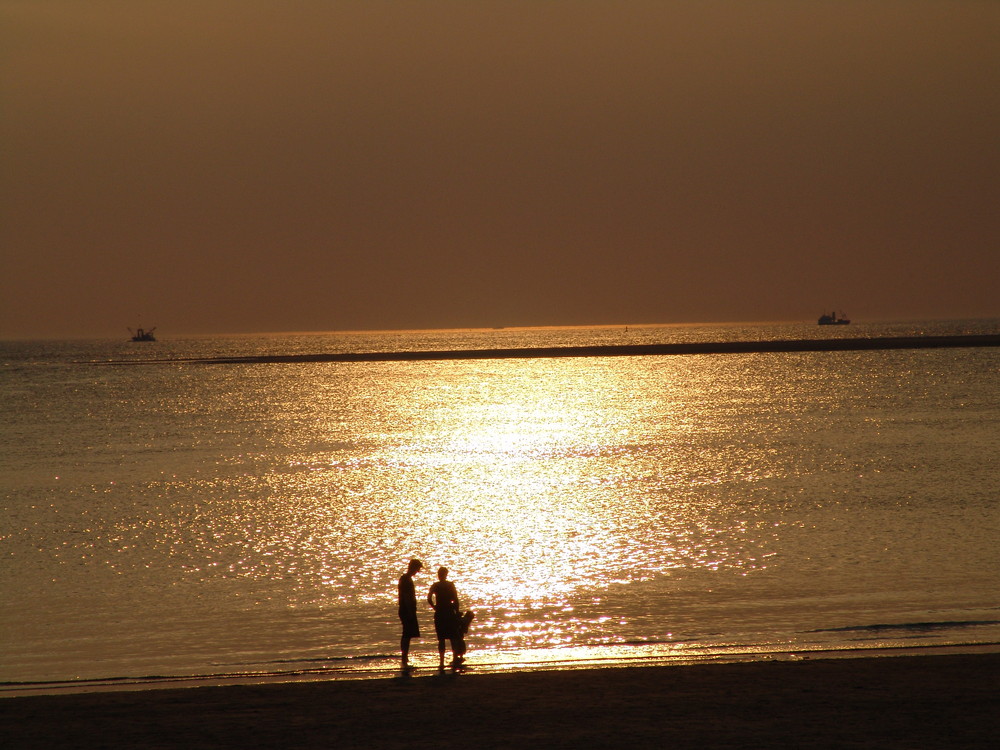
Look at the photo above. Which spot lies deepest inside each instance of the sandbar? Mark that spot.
(785, 346)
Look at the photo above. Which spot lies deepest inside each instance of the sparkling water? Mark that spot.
(185, 519)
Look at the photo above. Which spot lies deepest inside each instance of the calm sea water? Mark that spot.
(179, 519)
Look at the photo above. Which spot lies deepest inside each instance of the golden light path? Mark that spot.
(541, 484)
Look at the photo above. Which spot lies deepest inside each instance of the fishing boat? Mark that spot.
(833, 319)
(140, 334)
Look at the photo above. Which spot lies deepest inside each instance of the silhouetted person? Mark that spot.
(408, 609)
(447, 620)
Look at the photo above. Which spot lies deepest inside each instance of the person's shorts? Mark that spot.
(411, 627)
(446, 625)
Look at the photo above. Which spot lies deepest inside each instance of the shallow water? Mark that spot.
(183, 519)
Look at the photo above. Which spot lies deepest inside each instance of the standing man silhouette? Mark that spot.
(408, 609)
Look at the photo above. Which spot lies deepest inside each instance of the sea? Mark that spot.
(168, 519)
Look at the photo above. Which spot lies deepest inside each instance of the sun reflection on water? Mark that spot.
(505, 504)
(264, 509)
(542, 484)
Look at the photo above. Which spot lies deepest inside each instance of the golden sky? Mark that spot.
(241, 165)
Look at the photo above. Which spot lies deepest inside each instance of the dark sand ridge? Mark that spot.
(613, 350)
(926, 701)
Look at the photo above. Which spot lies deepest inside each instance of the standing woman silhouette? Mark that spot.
(444, 599)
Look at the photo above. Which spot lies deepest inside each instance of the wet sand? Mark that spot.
(940, 701)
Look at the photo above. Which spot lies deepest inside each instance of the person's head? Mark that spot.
(415, 566)
(442, 573)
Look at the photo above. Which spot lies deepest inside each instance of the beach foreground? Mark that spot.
(941, 701)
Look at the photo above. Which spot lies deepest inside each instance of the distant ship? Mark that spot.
(833, 319)
(141, 334)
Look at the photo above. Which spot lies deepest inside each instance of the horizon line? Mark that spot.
(459, 329)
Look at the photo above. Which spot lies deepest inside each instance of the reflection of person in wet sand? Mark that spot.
(447, 620)
(408, 609)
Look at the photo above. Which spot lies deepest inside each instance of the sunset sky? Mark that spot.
(242, 165)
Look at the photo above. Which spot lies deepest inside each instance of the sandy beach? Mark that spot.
(927, 701)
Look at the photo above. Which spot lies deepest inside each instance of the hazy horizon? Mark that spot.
(319, 166)
(167, 334)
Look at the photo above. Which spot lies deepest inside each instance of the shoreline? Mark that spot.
(927, 701)
(482, 663)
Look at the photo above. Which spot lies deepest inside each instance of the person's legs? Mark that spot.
(441, 653)
(456, 653)
(404, 646)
